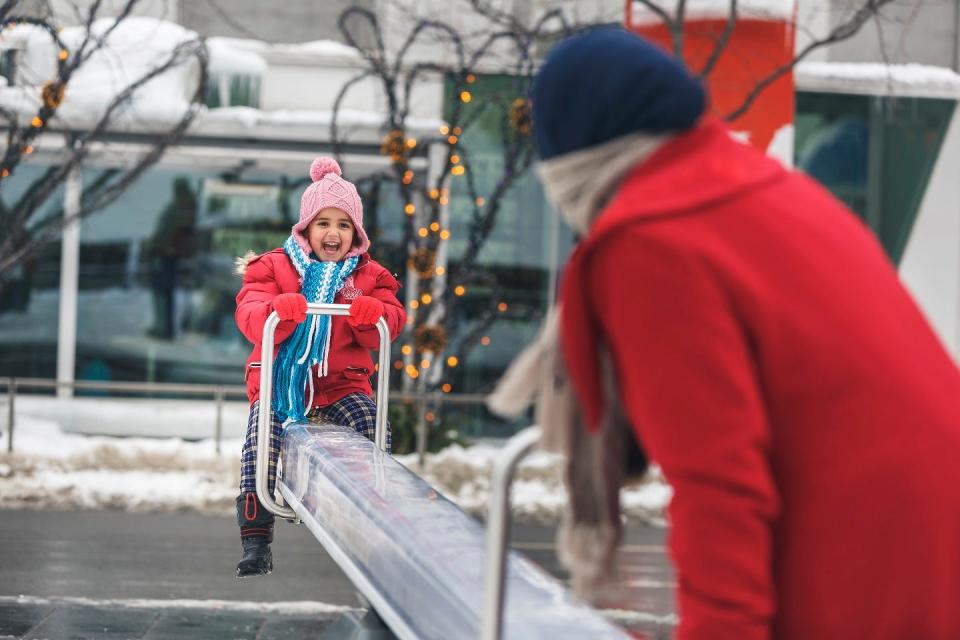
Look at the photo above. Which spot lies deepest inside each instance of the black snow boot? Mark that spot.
(256, 534)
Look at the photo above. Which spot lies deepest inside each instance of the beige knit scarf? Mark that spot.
(579, 185)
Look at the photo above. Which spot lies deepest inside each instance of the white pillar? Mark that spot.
(69, 277)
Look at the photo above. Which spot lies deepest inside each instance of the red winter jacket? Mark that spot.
(350, 366)
(795, 397)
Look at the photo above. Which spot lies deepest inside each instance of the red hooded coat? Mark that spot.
(805, 414)
(350, 366)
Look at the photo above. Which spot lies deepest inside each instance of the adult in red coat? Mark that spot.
(765, 354)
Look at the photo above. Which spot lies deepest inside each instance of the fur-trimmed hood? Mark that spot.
(240, 262)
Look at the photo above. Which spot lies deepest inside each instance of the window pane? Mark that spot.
(875, 154)
(30, 297)
(157, 281)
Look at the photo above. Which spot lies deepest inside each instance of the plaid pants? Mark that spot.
(356, 410)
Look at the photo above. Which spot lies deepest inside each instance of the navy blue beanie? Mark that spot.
(606, 83)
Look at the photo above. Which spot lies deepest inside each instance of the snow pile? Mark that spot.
(50, 469)
(537, 494)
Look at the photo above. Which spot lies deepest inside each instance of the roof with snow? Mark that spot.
(904, 80)
(139, 44)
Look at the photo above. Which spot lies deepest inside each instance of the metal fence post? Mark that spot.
(11, 396)
(218, 425)
(421, 432)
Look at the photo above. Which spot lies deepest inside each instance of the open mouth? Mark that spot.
(331, 247)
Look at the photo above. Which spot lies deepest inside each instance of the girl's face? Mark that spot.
(330, 234)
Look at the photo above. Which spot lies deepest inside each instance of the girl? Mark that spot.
(322, 366)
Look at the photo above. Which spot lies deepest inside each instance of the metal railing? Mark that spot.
(218, 393)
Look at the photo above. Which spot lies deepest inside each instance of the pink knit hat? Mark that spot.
(330, 190)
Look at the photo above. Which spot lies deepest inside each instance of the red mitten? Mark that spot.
(291, 306)
(365, 311)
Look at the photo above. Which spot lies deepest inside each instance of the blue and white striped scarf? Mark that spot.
(309, 345)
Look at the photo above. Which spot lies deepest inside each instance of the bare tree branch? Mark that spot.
(20, 244)
(722, 41)
(842, 32)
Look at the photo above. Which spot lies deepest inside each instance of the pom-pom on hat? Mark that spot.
(606, 83)
(329, 189)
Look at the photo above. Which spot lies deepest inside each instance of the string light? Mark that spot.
(430, 416)
(4, 173)
(465, 97)
(398, 364)
(440, 270)
(28, 149)
(502, 307)
(457, 131)
(452, 139)
(459, 290)
(471, 78)
(426, 298)
(434, 194)
(444, 235)
(458, 170)
(409, 209)
(411, 143)
(422, 232)
(455, 159)
(414, 304)
(406, 349)
(434, 226)
(480, 201)
(407, 176)
(485, 340)
(36, 122)
(452, 361)
(444, 130)
(64, 54)
(446, 388)
(412, 371)
(444, 200)
(424, 364)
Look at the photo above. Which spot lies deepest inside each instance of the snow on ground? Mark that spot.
(54, 469)
(295, 607)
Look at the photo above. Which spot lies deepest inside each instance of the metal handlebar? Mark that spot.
(266, 396)
(498, 528)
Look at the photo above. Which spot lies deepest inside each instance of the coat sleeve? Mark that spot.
(386, 292)
(690, 386)
(255, 302)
